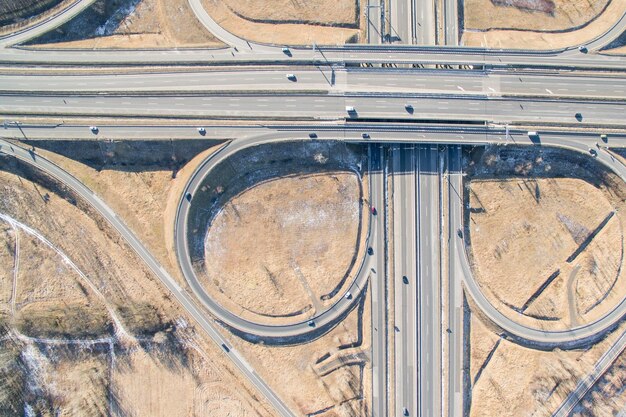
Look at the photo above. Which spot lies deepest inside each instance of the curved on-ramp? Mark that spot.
(318, 324)
(548, 338)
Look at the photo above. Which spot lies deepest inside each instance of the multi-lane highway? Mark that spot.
(404, 200)
(380, 372)
(488, 83)
(321, 106)
(429, 285)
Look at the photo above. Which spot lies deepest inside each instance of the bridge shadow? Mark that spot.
(128, 155)
(103, 18)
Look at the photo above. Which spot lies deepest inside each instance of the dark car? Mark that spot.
(188, 196)
(370, 251)
(405, 279)
(374, 212)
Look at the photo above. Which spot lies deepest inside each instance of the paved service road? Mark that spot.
(451, 22)
(180, 294)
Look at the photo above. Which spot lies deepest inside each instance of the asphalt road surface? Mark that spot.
(451, 22)
(429, 286)
(439, 107)
(380, 394)
(491, 83)
(401, 21)
(405, 265)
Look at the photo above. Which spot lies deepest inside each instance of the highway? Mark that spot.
(401, 21)
(425, 22)
(380, 373)
(451, 22)
(429, 286)
(170, 283)
(405, 265)
(320, 106)
(489, 83)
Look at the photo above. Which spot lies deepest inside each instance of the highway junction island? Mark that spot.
(327, 208)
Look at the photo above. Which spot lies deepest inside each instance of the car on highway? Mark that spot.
(604, 138)
(313, 135)
(583, 49)
(593, 152)
(373, 210)
(365, 135)
(188, 196)
(405, 279)
(202, 131)
(409, 108)
(286, 51)
(292, 77)
(579, 117)
(405, 411)
(350, 110)
(94, 129)
(226, 348)
(311, 323)
(370, 251)
(348, 296)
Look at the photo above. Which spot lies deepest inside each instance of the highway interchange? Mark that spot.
(415, 120)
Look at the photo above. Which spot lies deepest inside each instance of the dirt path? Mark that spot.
(571, 297)
(119, 328)
(16, 268)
